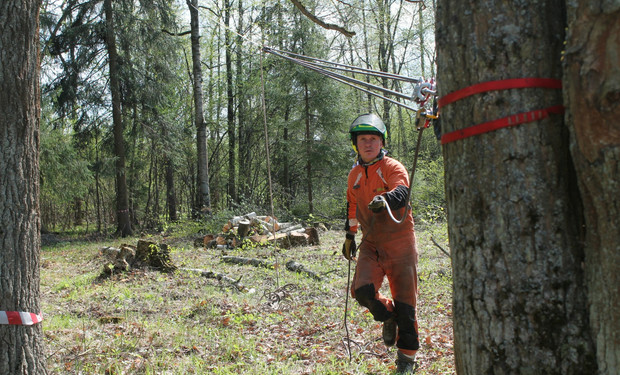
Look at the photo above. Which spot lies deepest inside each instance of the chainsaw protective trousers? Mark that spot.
(396, 260)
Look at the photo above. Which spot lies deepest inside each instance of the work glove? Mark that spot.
(377, 204)
(348, 248)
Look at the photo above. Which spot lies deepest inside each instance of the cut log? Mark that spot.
(290, 265)
(291, 228)
(260, 239)
(273, 222)
(264, 225)
(251, 261)
(121, 260)
(298, 239)
(243, 228)
(300, 268)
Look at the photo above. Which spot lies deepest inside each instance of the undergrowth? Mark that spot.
(148, 322)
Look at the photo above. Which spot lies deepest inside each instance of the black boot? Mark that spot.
(389, 331)
(404, 364)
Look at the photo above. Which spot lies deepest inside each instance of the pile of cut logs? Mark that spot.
(262, 230)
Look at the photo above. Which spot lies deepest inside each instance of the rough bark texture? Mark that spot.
(514, 212)
(21, 347)
(122, 194)
(592, 95)
(203, 200)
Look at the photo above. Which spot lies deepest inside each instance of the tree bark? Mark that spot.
(308, 150)
(203, 200)
(592, 95)
(21, 348)
(232, 140)
(171, 195)
(514, 218)
(244, 149)
(122, 195)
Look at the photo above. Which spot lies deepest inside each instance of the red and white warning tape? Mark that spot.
(19, 318)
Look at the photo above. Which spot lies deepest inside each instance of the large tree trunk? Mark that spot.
(122, 195)
(21, 346)
(203, 200)
(592, 95)
(514, 214)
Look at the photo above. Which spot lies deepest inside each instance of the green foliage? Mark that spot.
(427, 197)
(65, 176)
(160, 137)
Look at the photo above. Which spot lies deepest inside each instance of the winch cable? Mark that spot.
(422, 92)
(347, 80)
(344, 67)
(353, 82)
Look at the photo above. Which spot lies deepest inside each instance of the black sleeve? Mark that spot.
(397, 198)
(346, 218)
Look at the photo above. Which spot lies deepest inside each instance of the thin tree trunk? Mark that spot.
(244, 156)
(384, 59)
(514, 219)
(286, 164)
(171, 196)
(122, 196)
(592, 96)
(21, 346)
(308, 150)
(232, 185)
(203, 200)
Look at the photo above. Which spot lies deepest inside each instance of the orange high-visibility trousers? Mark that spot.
(397, 260)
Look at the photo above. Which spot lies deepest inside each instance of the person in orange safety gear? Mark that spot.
(387, 248)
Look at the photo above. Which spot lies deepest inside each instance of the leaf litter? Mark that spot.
(145, 321)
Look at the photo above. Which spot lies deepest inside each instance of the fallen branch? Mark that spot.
(218, 276)
(440, 248)
(251, 261)
(290, 265)
(300, 268)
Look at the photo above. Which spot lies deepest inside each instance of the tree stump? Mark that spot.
(243, 228)
(154, 255)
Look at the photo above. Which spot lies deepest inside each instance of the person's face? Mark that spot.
(368, 146)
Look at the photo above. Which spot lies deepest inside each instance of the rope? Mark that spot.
(411, 176)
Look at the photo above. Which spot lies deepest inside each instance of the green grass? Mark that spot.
(147, 322)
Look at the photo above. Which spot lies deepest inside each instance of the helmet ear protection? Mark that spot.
(368, 123)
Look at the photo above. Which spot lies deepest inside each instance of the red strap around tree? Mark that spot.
(505, 84)
(505, 122)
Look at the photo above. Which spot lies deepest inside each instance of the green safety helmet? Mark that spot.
(368, 123)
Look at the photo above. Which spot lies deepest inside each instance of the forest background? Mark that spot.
(121, 101)
(305, 117)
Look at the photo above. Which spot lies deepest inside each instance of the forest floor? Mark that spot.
(149, 322)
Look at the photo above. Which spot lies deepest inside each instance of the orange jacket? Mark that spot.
(387, 177)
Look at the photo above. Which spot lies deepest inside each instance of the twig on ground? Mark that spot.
(440, 248)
